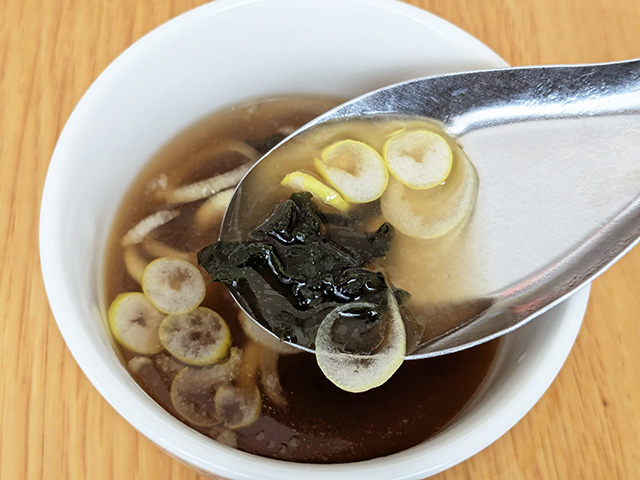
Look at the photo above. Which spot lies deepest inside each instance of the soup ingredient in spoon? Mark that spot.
(432, 213)
(361, 371)
(304, 181)
(199, 337)
(296, 267)
(420, 159)
(134, 323)
(173, 285)
(355, 169)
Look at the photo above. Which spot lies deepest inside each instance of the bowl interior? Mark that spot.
(218, 55)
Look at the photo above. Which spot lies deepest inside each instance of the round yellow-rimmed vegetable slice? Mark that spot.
(134, 323)
(358, 372)
(355, 169)
(426, 214)
(238, 407)
(199, 337)
(420, 159)
(304, 181)
(192, 396)
(173, 285)
(193, 390)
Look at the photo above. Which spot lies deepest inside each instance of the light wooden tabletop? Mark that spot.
(54, 425)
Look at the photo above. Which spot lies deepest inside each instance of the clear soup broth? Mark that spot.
(301, 416)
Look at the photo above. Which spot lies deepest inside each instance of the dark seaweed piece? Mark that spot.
(263, 145)
(362, 245)
(296, 220)
(296, 267)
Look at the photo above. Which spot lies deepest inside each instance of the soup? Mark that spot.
(247, 390)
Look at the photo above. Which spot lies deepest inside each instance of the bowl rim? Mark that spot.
(176, 437)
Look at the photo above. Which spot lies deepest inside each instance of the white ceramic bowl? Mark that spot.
(213, 57)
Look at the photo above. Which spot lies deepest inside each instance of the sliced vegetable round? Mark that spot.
(193, 390)
(358, 372)
(355, 169)
(425, 214)
(134, 323)
(173, 285)
(238, 407)
(304, 181)
(420, 159)
(192, 395)
(199, 337)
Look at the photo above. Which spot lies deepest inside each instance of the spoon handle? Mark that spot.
(470, 101)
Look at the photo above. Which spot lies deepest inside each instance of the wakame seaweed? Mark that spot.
(299, 265)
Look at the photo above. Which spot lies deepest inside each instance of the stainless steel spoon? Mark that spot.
(557, 150)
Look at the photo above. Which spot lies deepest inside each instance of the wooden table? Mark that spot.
(56, 426)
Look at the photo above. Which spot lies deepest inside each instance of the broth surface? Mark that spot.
(320, 423)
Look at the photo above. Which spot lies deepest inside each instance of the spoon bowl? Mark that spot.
(556, 151)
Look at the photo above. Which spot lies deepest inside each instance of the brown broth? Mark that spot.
(320, 423)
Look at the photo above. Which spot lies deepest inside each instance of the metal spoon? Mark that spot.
(557, 151)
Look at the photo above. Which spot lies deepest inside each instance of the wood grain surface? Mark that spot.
(54, 425)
